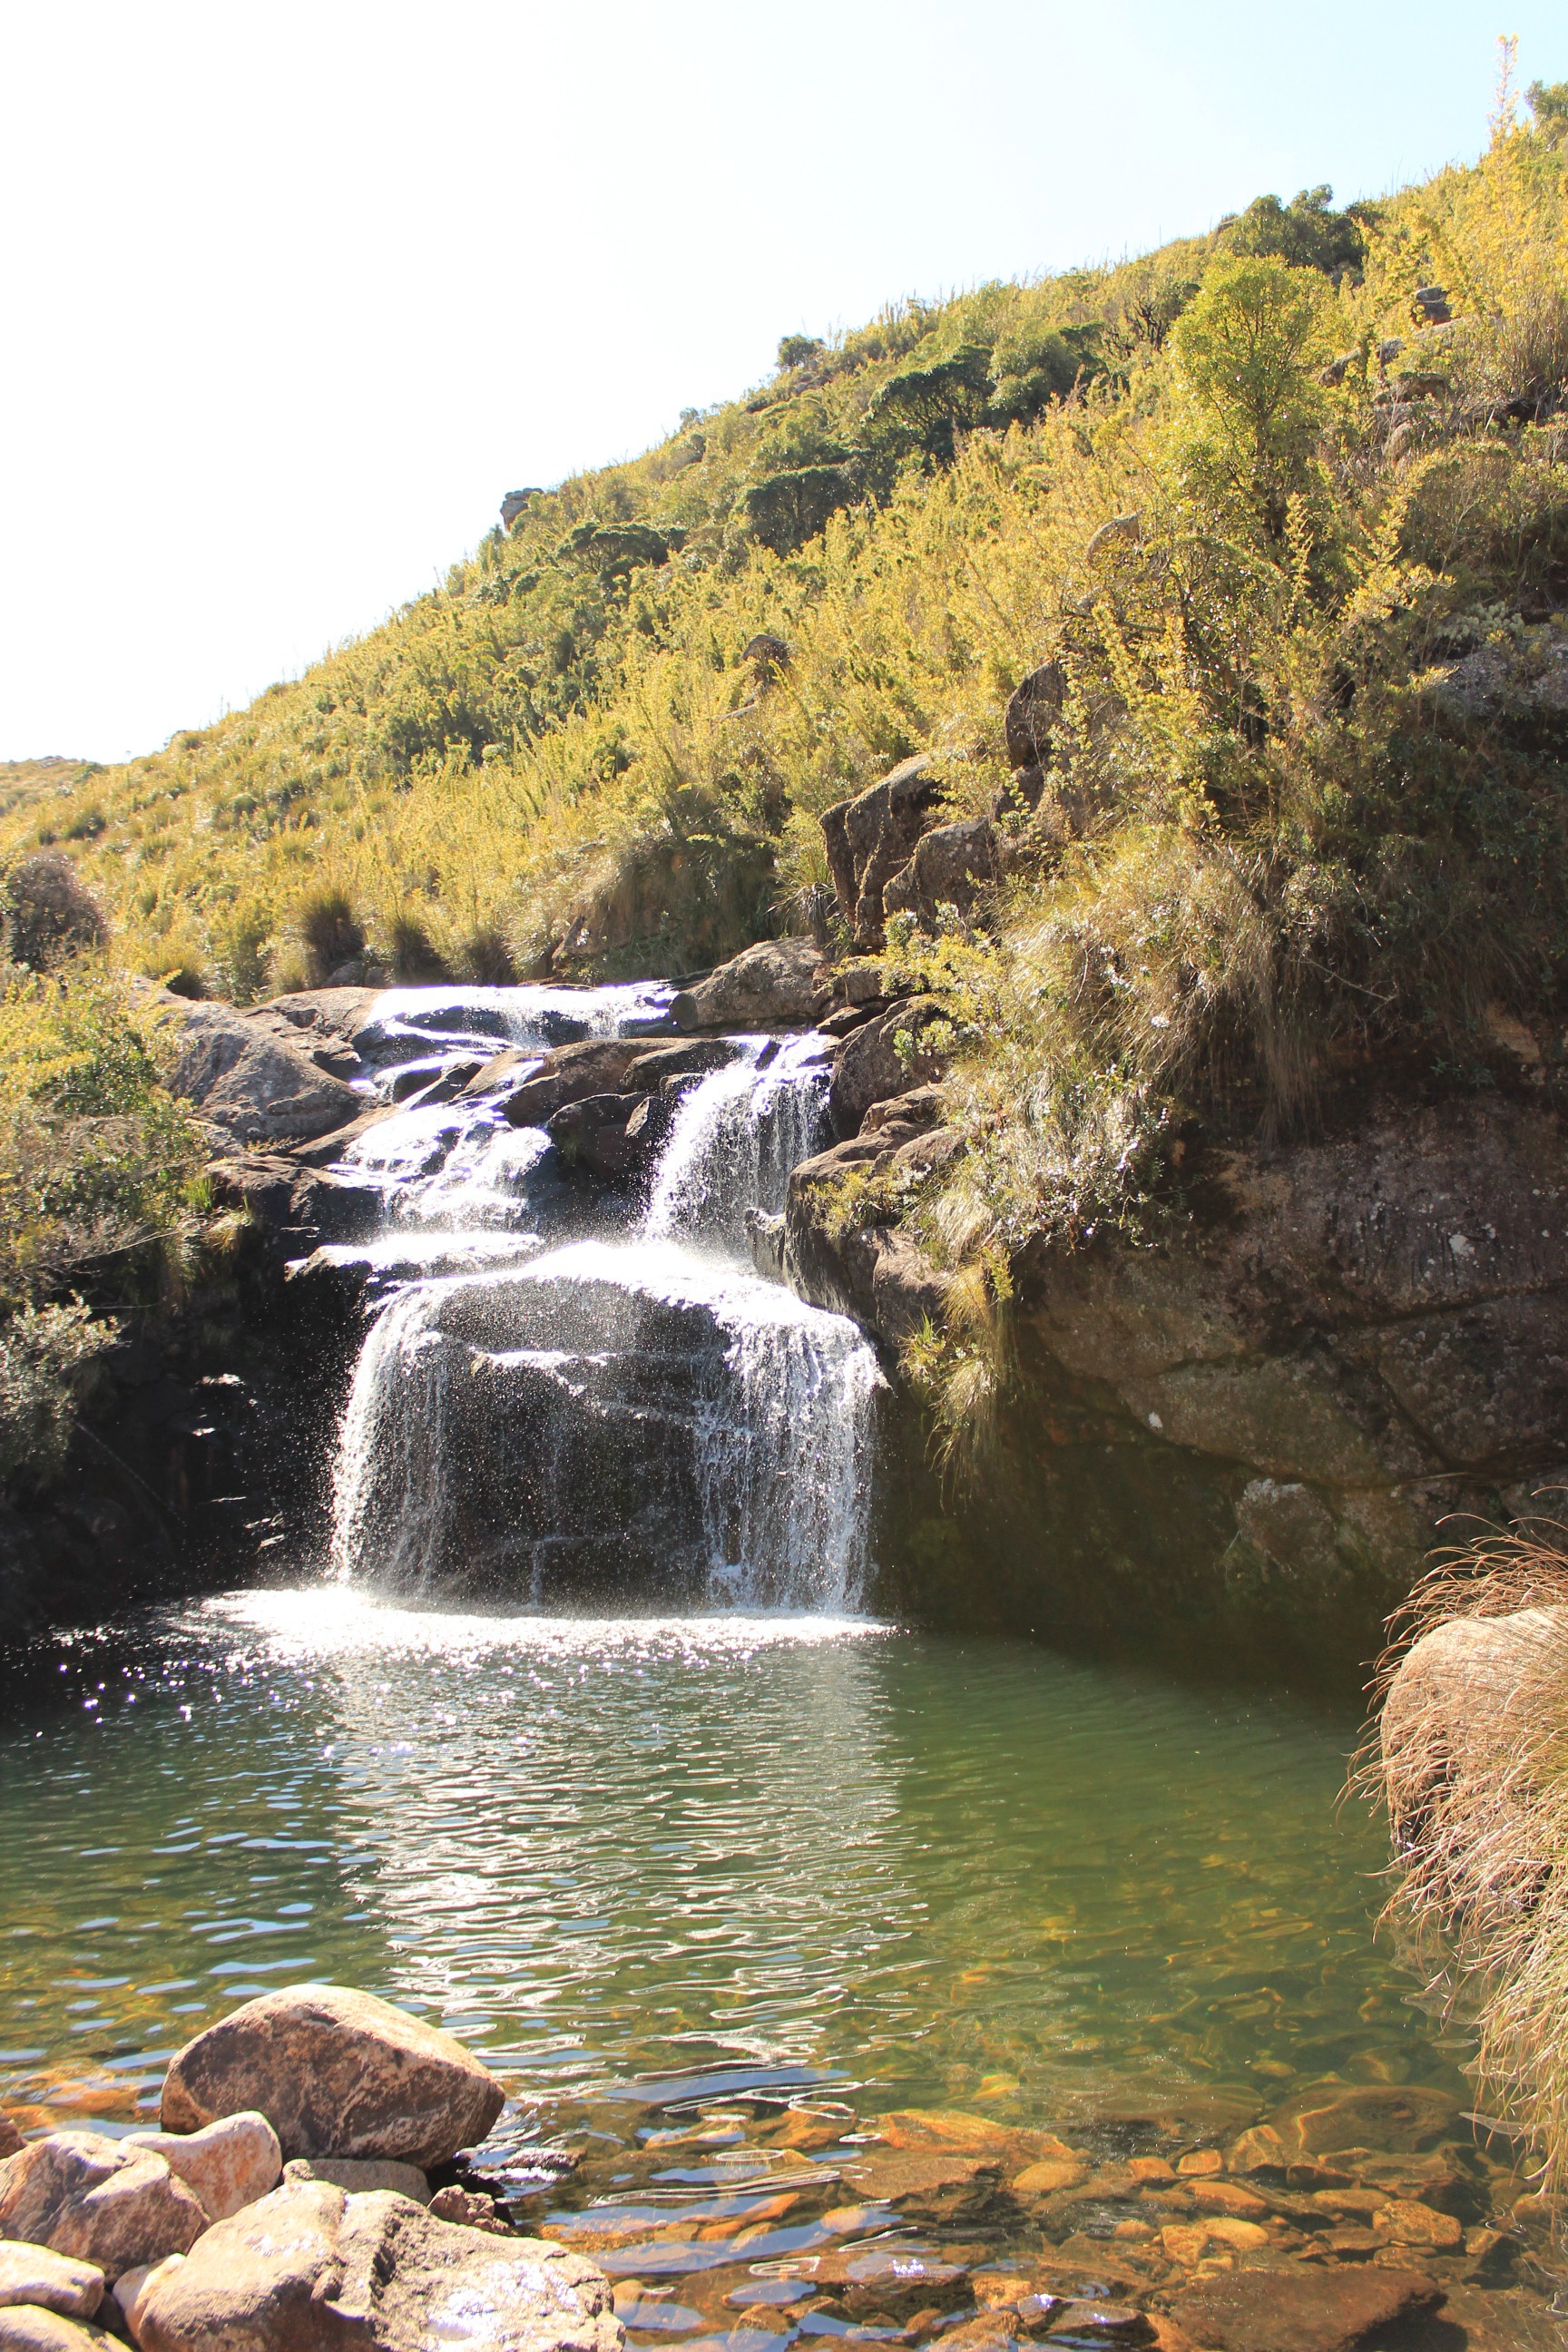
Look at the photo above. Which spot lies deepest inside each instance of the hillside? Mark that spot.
(1276, 522)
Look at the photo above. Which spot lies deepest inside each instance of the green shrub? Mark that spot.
(44, 1357)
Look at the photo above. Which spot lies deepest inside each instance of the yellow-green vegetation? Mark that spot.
(1252, 496)
(100, 1182)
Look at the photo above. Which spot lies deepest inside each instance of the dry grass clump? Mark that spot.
(1473, 1764)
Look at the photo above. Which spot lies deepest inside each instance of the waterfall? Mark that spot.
(635, 1413)
(736, 1139)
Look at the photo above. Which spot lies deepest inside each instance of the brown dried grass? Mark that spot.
(1470, 1756)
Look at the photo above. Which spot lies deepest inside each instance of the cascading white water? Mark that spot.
(736, 1139)
(640, 1413)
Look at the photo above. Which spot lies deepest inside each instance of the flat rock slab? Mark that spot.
(99, 2200)
(310, 2269)
(56, 2281)
(227, 2165)
(945, 2186)
(1293, 2311)
(336, 2072)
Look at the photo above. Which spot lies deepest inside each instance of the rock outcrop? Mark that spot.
(873, 837)
(310, 2268)
(1249, 1434)
(336, 2073)
(871, 1069)
(953, 865)
(774, 985)
(276, 1074)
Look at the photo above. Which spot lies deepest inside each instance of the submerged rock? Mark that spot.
(98, 2199)
(336, 2072)
(310, 2268)
(1297, 2311)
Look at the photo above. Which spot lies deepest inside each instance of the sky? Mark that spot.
(291, 295)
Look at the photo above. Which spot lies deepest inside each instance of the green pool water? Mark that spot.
(707, 1852)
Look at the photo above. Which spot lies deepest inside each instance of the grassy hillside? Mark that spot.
(1298, 542)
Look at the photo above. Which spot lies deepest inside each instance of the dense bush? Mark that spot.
(48, 914)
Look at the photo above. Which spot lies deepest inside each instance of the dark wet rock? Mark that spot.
(654, 1068)
(611, 1137)
(336, 2072)
(593, 1066)
(870, 1066)
(310, 2269)
(10, 2137)
(99, 2200)
(501, 1071)
(776, 984)
(1250, 1433)
(1300, 2311)
(1093, 2320)
(952, 866)
(765, 1240)
(870, 837)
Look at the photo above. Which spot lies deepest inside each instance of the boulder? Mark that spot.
(360, 2175)
(98, 2199)
(657, 1067)
(613, 1137)
(862, 1267)
(256, 1076)
(228, 2164)
(772, 985)
(952, 865)
(55, 2281)
(336, 2072)
(870, 837)
(1301, 2310)
(870, 1067)
(29, 2327)
(310, 2269)
(1034, 714)
(593, 1066)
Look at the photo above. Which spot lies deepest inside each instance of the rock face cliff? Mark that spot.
(1250, 1433)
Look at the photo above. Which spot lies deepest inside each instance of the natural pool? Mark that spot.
(831, 1968)
(954, 1872)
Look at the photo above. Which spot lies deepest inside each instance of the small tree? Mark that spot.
(1246, 350)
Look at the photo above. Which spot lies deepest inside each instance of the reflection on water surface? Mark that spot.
(960, 1874)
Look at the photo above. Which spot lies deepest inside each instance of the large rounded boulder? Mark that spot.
(335, 2073)
(98, 2201)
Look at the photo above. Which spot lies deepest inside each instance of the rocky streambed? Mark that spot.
(331, 2170)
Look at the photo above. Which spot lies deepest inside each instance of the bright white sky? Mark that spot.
(293, 293)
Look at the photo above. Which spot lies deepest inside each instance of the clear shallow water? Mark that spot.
(734, 1850)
